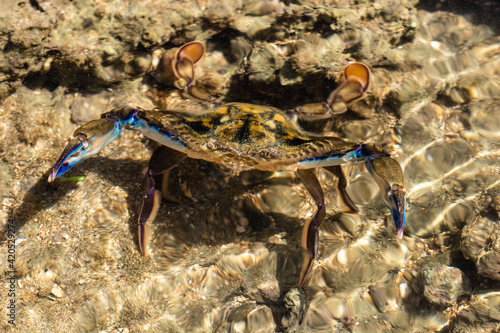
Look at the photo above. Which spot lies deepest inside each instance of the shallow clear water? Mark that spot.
(227, 256)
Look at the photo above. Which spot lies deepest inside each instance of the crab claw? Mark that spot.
(357, 79)
(87, 141)
(389, 176)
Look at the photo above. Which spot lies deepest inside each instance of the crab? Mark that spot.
(242, 137)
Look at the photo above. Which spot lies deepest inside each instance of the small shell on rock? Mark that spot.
(57, 291)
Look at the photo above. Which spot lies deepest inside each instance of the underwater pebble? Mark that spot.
(443, 284)
(481, 243)
(482, 314)
(57, 291)
(260, 320)
(489, 265)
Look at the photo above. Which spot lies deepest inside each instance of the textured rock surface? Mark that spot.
(443, 285)
(227, 257)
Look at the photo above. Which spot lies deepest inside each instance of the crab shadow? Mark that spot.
(43, 195)
(214, 208)
(200, 230)
(208, 217)
(217, 188)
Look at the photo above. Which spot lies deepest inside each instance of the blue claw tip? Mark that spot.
(397, 205)
(68, 158)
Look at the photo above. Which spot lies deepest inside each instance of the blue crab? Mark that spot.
(243, 137)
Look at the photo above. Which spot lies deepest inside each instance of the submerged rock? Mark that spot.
(481, 244)
(443, 285)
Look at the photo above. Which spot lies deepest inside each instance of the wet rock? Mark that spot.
(57, 291)
(292, 304)
(481, 315)
(251, 318)
(443, 285)
(480, 243)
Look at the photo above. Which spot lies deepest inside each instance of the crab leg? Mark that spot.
(389, 176)
(162, 161)
(91, 138)
(356, 79)
(342, 185)
(310, 235)
(87, 141)
(385, 170)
